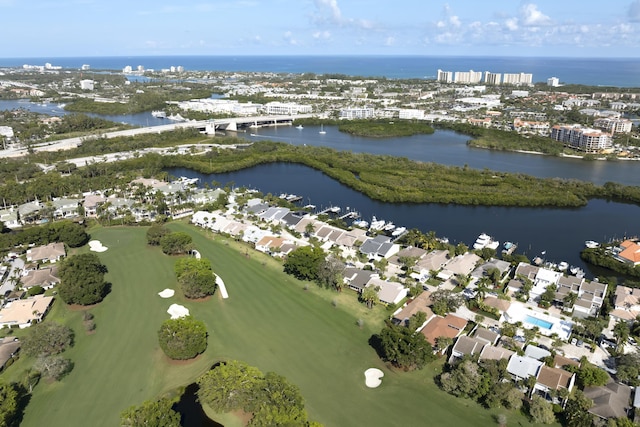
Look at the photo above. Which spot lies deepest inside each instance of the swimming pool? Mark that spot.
(538, 322)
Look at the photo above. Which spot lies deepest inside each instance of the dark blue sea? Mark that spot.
(621, 72)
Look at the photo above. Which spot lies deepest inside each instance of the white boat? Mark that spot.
(591, 244)
(176, 118)
(563, 266)
(360, 223)
(390, 226)
(322, 131)
(398, 231)
(159, 114)
(335, 209)
(482, 241)
(377, 224)
(299, 127)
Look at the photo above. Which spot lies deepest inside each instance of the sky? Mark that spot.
(69, 28)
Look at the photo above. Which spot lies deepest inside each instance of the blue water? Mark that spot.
(622, 72)
(538, 322)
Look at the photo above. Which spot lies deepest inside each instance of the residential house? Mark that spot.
(47, 253)
(379, 247)
(490, 352)
(274, 214)
(269, 244)
(357, 279)
(433, 261)
(24, 312)
(421, 303)
(29, 212)
(65, 208)
(502, 305)
(466, 346)
(46, 277)
(460, 265)
(449, 326)
(609, 401)
(523, 367)
(560, 361)
(629, 252)
(481, 270)
(626, 304)
(9, 218)
(535, 352)
(550, 380)
(486, 335)
(91, 204)
(389, 292)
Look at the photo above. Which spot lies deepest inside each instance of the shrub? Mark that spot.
(183, 338)
(35, 290)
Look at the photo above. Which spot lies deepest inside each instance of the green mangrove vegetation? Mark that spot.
(380, 177)
(384, 128)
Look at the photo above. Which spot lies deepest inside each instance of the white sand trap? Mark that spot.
(222, 287)
(177, 311)
(167, 293)
(96, 246)
(373, 377)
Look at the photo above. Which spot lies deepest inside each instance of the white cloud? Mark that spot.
(332, 5)
(531, 16)
(288, 37)
(324, 35)
(455, 21)
(511, 24)
(634, 11)
(390, 41)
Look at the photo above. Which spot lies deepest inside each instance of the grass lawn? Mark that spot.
(269, 321)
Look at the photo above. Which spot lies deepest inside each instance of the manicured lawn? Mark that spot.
(269, 321)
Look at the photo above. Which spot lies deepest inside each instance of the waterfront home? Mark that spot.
(379, 247)
(628, 252)
(460, 265)
(24, 312)
(449, 326)
(433, 261)
(274, 214)
(47, 253)
(481, 270)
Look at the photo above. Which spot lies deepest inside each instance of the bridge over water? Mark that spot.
(208, 127)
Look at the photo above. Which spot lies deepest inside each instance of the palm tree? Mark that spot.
(370, 296)
(483, 287)
(621, 331)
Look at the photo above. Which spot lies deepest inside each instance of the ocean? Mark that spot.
(620, 72)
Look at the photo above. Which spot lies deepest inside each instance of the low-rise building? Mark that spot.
(24, 312)
(47, 253)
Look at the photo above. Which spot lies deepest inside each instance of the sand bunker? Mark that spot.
(167, 293)
(373, 377)
(96, 246)
(222, 287)
(177, 311)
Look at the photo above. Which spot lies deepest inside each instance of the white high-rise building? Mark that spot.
(517, 79)
(467, 77)
(492, 78)
(127, 69)
(584, 139)
(86, 84)
(445, 76)
(553, 82)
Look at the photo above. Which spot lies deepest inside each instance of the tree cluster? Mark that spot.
(486, 382)
(45, 342)
(151, 413)
(82, 279)
(176, 243)
(183, 338)
(271, 399)
(445, 301)
(304, 262)
(9, 404)
(195, 277)
(155, 233)
(403, 346)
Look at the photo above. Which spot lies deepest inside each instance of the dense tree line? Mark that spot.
(272, 400)
(404, 347)
(70, 233)
(600, 257)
